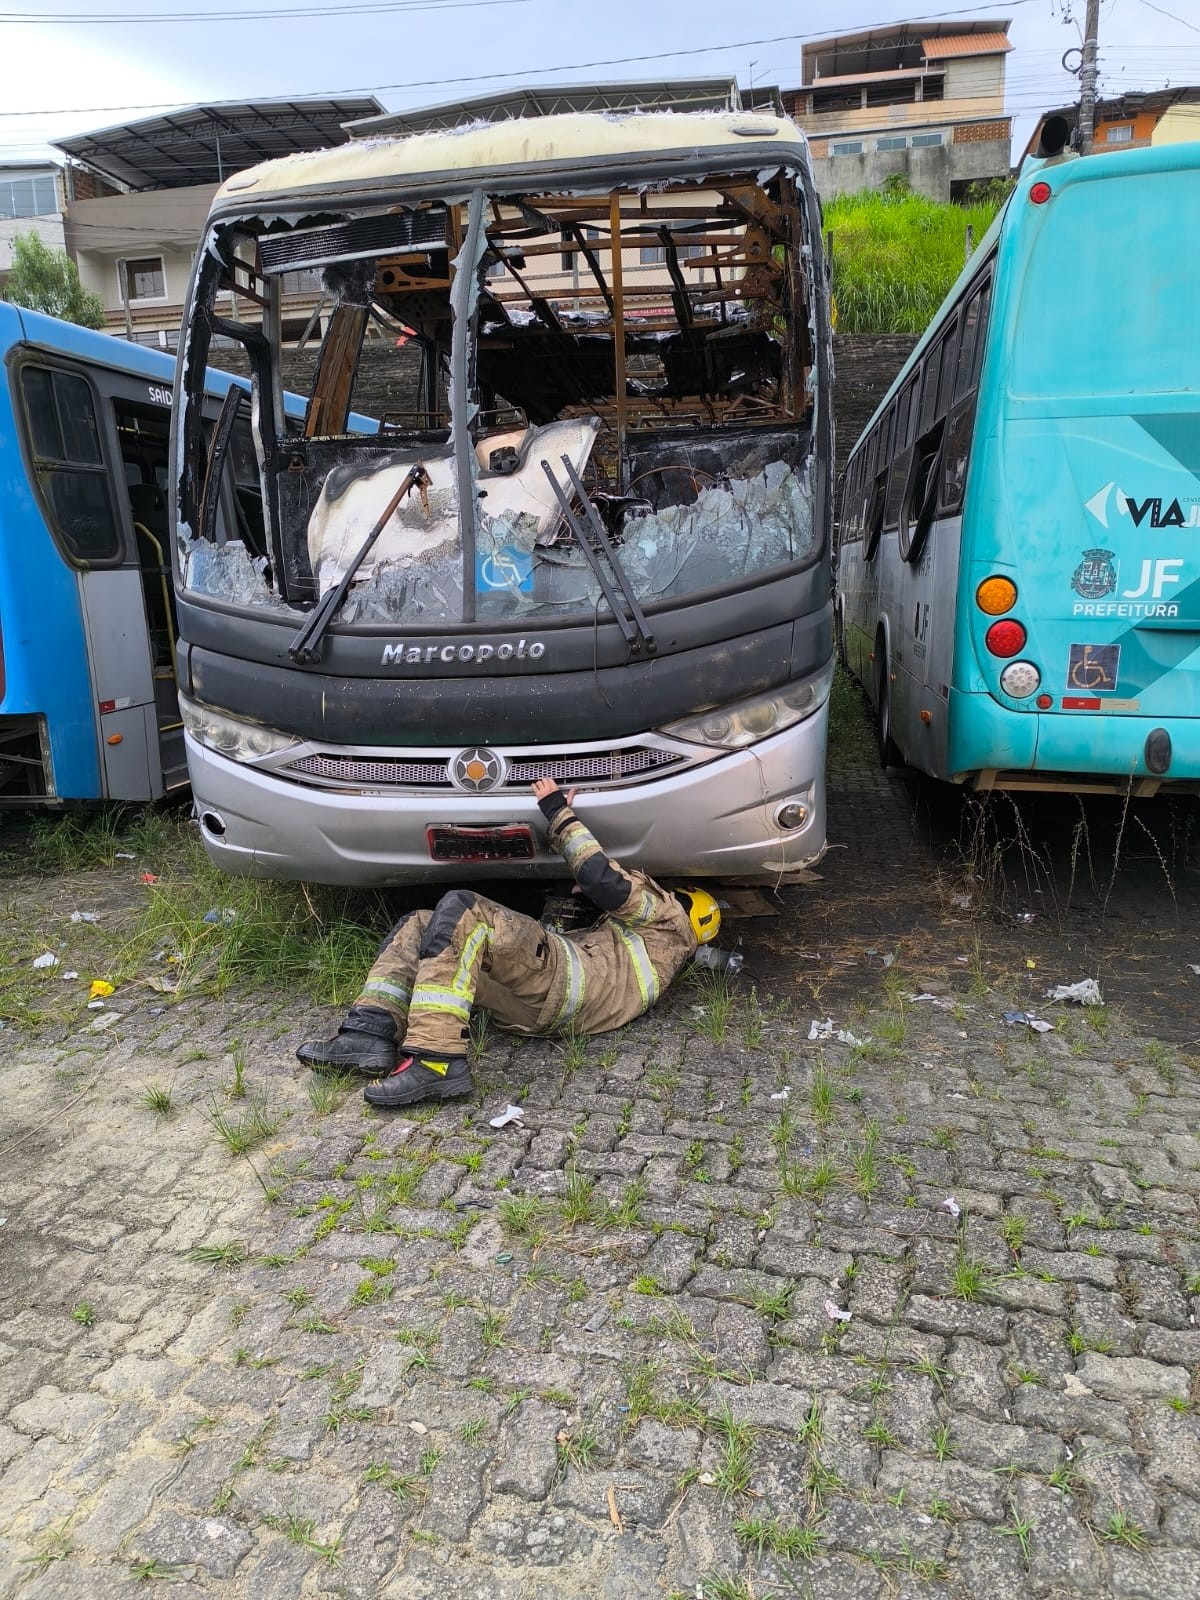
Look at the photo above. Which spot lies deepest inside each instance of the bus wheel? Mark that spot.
(889, 751)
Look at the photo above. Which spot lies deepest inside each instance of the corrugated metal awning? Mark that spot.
(205, 144)
(965, 44)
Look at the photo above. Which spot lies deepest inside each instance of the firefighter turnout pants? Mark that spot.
(435, 966)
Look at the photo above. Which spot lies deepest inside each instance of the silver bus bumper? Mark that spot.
(717, 819)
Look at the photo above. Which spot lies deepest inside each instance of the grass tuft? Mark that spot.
(247, 1128)
(230, 1254)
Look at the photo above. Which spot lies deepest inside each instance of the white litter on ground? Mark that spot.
(510, 1114)
(951, 1205)
(47, 960)
(783, 1093)
(829, 1030)
(835, 1313)
(1084, 993)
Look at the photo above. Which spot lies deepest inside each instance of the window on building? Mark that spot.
(308, 280)
(570, 249)
(651, 255)
(28, 197)
(1121, 134)
(892, 141)
(891, 94)
(921, 140)
(836, 100)
(69, 462)
(934, 88)
(847, 147)
(145, 279)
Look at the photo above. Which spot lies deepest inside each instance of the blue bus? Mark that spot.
(1019, 524)
(88, 698)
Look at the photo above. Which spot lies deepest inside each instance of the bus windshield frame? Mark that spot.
(681, 417)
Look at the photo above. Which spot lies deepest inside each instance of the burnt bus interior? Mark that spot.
(627, 425)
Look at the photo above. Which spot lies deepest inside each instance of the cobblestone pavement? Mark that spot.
(736, 1313)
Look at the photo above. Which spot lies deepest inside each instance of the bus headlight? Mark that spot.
(744, 722)
(230, 736)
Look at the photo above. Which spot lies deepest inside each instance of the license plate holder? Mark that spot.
(454, 842)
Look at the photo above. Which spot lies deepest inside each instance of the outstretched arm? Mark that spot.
(601, 879)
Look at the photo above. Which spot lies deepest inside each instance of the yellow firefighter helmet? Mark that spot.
(704, 913)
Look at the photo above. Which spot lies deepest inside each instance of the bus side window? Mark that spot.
(929, 389)
(961, 426)
(850, 529)
(69, 463)
(883, 466)
(949, 362)
(900, 447)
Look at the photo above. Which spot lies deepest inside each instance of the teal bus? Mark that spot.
(1019, 523)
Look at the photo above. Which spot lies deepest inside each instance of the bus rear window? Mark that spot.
(1109, 301)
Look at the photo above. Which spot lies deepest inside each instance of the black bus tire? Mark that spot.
(889, 752)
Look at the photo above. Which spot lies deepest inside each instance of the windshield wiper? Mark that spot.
(636, 633)
(306, 646)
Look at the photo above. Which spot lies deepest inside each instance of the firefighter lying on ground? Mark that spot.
(409, 1027)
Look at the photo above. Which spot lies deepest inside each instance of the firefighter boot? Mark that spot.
(423, 1076)
(365, 1044)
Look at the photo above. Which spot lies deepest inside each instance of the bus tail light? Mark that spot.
(1039, 192)
(995, 596)
(1005, 638)
(1020, 679)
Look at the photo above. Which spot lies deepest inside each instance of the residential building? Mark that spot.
(924, 100)
(139, 194)
(1135, 119)
(31, 201)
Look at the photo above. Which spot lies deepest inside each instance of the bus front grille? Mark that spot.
(597, 768)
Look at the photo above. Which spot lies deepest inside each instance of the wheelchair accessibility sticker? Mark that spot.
(1093, 667)
(506, 570)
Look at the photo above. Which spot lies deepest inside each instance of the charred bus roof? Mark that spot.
(598, 147)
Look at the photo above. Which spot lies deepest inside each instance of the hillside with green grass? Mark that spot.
(895, 255)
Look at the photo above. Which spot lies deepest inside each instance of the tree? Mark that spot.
(45, 279)
(897, 186)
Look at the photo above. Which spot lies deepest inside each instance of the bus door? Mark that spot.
(143, 434)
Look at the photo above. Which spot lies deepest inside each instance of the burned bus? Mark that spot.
(586, 534)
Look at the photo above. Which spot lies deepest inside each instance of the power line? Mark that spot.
(517, 72)
(1182, 21)
(123, 19)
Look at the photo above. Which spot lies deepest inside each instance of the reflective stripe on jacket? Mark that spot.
(613, 972)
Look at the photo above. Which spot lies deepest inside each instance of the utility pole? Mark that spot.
(1087, 79)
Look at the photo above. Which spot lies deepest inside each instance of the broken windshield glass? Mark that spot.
(658, 340)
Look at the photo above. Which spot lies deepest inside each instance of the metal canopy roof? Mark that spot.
(205, 144)
(687, 94)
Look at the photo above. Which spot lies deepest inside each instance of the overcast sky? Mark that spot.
(68, 76)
